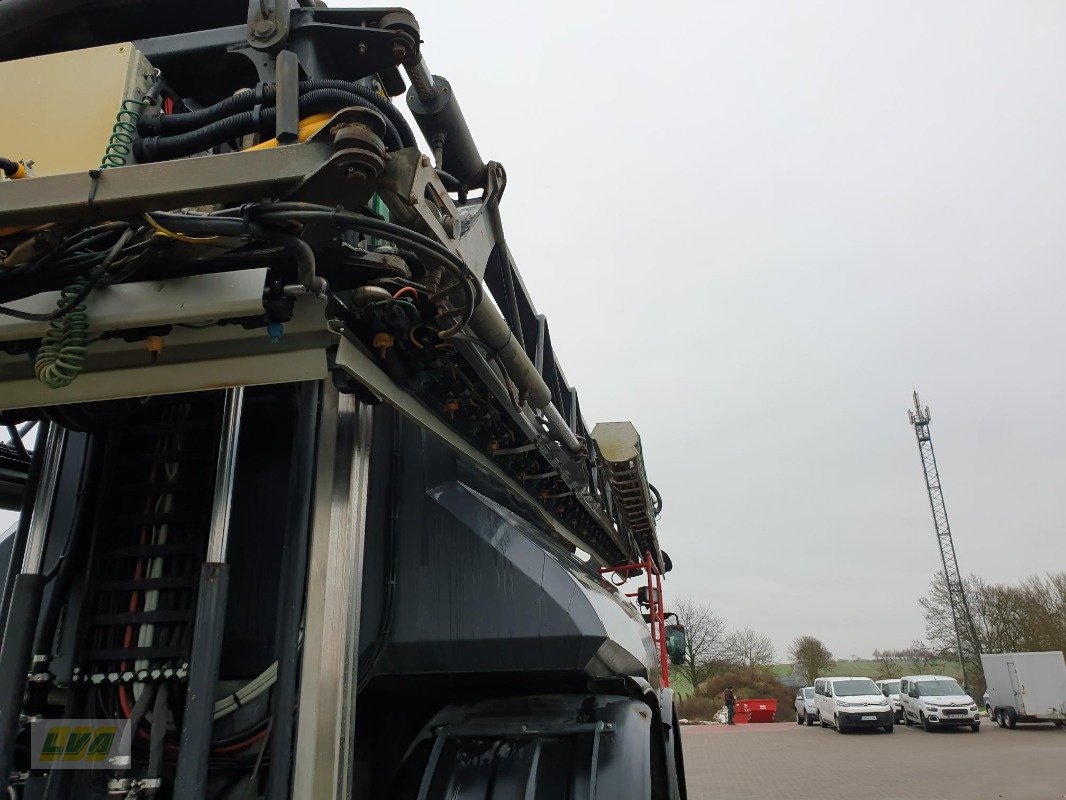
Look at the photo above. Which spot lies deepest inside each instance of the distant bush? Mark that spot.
(748, 682)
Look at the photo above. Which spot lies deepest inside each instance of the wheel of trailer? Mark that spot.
(1012, 718)
(1001, 718)
(926, 723)
(808, 718)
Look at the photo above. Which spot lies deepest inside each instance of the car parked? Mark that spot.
(890, 689)
(937, 701)
(806, 709)
(847, 703)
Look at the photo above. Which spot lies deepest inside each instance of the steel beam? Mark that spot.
(324, 762)
(182, 183)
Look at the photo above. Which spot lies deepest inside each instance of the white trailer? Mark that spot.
(1025, 687)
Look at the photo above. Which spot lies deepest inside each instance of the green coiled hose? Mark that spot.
(62, 353)
(120, 144)
(64, 347)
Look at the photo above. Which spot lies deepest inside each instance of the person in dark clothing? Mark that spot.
(730, 703)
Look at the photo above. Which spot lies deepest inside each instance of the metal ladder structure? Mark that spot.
(966, 638)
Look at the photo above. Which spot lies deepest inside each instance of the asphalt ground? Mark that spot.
(785, 761)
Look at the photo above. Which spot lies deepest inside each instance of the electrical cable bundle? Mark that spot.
(268, 220)
(251, 112)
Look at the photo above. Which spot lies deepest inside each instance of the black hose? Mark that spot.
(140, 709)
(161, 148)
(170, 124)
(422, 245)
(159, 731)
(658, 508)
(70, 561)
(302, 253)
(368, 663)
(8, 167)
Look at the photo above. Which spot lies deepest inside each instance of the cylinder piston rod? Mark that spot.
(191, 778)
(441, 121)
(26, 595)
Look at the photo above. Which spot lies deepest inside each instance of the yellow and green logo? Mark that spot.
(82, 743)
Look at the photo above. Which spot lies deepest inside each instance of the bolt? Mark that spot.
(265, 28)
(414, 199)
(399, 51)
(424, 161)
(361, 48)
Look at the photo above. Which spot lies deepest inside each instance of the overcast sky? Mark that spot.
(755, 227)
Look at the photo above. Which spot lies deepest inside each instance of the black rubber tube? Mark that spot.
(73, 560)
(140, 710)
(159, 731)
(170, 124)
(161, 148)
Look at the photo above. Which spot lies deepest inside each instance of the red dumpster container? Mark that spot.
(755, 710)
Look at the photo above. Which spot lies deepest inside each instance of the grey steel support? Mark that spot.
(325, 742)
(287, 121)
(191, 779)
(292, 588)
(17, 648)
(118, 192)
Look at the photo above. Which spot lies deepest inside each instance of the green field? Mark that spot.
(679, 683)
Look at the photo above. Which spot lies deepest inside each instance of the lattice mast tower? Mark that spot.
(966, 637)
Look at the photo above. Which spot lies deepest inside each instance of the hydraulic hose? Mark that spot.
(301, 252)
(161, 148)
(14, 170)
(170, 124)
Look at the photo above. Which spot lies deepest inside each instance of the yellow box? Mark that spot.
(60, 109)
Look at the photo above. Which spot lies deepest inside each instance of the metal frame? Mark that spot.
(355, 362)
(655, 607)
(324, 759)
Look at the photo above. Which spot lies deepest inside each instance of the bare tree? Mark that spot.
(1009, 618)
(750, 648)
(705, 636)
(888, 663)
(812, 655)
(916, 659)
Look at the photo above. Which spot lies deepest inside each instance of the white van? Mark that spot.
(890, 689)
(847, 703)
(935, 701)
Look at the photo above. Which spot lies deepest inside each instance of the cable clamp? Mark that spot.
(94, 177)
